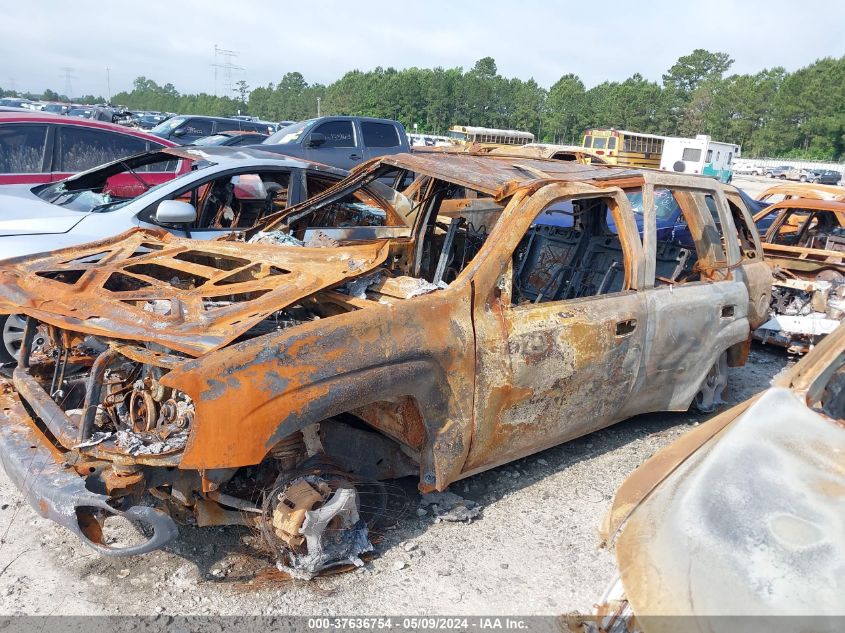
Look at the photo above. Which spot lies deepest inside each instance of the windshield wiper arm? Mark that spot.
(143, 182)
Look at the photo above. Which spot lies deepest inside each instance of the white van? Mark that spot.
(699, 155)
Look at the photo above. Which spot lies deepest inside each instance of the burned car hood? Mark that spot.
(752, 523)
(188, 295)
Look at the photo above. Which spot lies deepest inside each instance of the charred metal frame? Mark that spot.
(454, 375)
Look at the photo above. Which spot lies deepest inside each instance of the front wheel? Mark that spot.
(11, 325)
(802, 179)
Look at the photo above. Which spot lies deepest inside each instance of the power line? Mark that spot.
(227, 67)
(67, 73)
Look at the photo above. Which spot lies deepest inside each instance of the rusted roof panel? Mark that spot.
(496, 174)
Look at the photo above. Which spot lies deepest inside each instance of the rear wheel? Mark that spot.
(709, 396)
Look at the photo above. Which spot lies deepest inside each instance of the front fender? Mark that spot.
(253, 394)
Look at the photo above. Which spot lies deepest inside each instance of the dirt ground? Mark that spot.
(534, 550)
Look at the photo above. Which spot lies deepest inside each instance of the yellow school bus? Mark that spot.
(621, 147)
(465, 134)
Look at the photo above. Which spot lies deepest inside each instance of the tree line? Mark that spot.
(770, 113)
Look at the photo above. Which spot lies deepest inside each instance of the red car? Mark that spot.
(37, 147)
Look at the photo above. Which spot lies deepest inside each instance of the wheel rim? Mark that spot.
(13, 334)
(710, 395)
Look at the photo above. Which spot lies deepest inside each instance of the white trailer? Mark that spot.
(699, 155)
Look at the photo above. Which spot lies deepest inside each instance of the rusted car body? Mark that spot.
(804, 242)
(572, 153)
(566, 153)
(742, 516)
(355, 338)
(812, 191)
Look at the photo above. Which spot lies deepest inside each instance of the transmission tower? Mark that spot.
(227, 67)
(67, 73)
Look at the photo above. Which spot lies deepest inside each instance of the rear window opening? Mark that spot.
(570, 251)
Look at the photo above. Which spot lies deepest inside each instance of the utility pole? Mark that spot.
(318, 107)
(108, 85)
(539, 121)
(227, 67)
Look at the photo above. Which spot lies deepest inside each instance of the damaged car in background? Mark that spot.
(804, 242)
(786, 191)
(740, 517)
(279, 377)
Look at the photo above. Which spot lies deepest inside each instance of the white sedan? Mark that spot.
(225, 190)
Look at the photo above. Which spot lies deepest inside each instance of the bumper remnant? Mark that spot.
(58, 493)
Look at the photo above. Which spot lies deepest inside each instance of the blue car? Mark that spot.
(670, 223)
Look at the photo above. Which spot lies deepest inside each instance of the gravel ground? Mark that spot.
(536, 537)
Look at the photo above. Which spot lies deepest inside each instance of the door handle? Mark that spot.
(355, 156)
(626, 328)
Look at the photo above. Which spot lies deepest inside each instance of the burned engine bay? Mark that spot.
(107, 406)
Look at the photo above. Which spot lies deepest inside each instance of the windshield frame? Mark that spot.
(96, 178)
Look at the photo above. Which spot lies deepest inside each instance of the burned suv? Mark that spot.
(500, 306)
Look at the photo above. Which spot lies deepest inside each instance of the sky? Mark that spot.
(174, 41)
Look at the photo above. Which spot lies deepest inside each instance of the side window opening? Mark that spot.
(460, 221)
(361, 214)
(700, 255)
(568, 252)
(811, 229)
(791, 226)
(316, 184)
(239, 202)
(745, 230)
(675, 249)
(763, 223)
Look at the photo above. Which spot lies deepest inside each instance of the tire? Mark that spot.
(802, 179)
(769, 174)
(782, 177)
(713, 387)
(11, 328)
